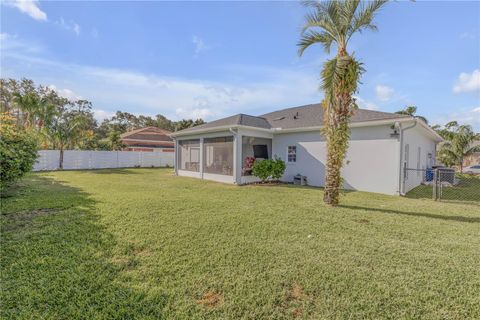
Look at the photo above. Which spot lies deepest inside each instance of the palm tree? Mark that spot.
(459, 143)
(333, 23)
(411, 111)
(65, 130)
(115, 140)
(28, 105)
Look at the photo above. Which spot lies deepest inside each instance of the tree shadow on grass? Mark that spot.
(57, 260)
(416, 214)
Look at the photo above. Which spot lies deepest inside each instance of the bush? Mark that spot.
(18, 151)
(270, 168)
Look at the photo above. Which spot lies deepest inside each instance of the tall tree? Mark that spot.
(115, 141)
(333, 23)
(412, 111)
(187, 123)
(459, 143)
(66, 130)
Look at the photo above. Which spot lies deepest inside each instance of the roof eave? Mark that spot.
(216, 129)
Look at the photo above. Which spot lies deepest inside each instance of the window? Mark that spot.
(260, 151)
(218, 155)
(291, 154)
(189, 155)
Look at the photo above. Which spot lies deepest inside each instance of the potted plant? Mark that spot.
(248, 165)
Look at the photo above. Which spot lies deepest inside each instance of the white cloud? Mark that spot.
(69, 26)
(94, 33)
(29, 7)
(194, 113)
(467, 35)
(384, 93)
(76, 29)
(66, 93)
(468, 82)
(259, 90)
(200, 45)
(469, 116)
(101, 115)
(363, 104)
(11, 43)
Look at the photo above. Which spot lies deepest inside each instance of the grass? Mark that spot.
(143, 244)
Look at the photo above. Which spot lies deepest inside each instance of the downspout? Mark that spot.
(175, 155)
(401, 173)
(235, 148)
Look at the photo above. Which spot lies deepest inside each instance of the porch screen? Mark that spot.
(218, 155)
(189, 155)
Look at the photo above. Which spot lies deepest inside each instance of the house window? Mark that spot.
(292, 154)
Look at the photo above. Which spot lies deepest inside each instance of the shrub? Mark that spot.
(18, 151)
(269, 169)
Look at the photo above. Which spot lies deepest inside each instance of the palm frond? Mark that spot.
(348, 11)
(342, 69)
(364, 17)
(313, 37)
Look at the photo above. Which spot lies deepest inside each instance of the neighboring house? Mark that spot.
(474, 158)
(381, 145)
(148, 139)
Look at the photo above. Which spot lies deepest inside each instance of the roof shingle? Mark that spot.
(297, 117)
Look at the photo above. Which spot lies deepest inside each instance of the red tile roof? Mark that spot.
(149, 136)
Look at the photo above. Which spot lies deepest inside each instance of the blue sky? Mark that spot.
(214, 59)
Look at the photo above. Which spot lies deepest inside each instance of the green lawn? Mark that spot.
(143, 244)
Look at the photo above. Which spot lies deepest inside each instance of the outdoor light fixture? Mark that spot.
(395, 133)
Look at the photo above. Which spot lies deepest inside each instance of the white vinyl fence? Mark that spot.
(84, 159)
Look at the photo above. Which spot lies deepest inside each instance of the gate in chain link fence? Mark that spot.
(441, 184)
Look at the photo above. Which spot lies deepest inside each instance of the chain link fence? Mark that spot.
(441, 184)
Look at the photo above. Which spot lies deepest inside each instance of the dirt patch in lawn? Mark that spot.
(295, 293)
(211, 299)
(294, 300)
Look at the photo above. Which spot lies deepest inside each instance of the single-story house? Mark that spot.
(381, 145)
(148, 139)
(473, 158)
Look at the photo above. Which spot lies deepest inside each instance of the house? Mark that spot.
(473, 158)
(148, 139)
(381, 146)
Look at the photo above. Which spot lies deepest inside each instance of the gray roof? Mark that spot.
(298, 117)
(312, 116)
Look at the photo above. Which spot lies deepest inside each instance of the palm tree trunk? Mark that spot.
(60, 162)
(337, 135)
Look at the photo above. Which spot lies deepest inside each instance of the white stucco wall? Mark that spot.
(419, 146)
(372, 159)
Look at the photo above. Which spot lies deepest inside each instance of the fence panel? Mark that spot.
(128, 159)
(85, 159)
(458, 186)
(444, 184)
(47, 160)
